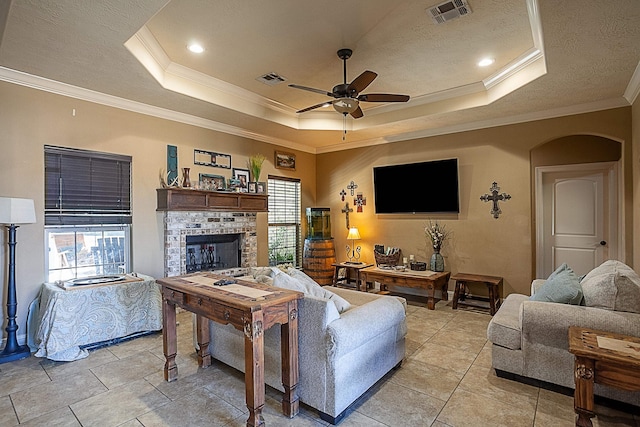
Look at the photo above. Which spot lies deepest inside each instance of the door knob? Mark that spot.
(603, 243)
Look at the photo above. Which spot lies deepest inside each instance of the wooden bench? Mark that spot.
(493, 284)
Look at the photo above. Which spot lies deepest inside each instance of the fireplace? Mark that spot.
(218, 227)
(185, 230)
(210, 252)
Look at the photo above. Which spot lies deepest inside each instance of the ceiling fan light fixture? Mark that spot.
(345, 105)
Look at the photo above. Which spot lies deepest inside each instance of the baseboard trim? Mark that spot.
(567, 391)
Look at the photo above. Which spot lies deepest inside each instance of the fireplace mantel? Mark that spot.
(176, 199)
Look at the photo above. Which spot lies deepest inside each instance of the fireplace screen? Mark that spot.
(213, 252)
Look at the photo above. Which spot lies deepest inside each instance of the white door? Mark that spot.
(576, 216)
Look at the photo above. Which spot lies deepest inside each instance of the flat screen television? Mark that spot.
(426, 187)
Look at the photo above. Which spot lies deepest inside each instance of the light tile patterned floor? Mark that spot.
(445, 380)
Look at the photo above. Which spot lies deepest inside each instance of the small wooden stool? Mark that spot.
(493, 284)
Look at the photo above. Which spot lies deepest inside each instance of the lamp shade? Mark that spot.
(354, 234)
(17, 211)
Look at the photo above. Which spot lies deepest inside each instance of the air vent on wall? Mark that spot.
(449, 10)
(271, 79)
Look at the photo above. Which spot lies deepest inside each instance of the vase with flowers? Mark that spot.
(437, 235)
(255, 165)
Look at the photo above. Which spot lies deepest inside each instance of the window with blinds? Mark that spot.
(86, 187)
(284, 221)
(87, 213)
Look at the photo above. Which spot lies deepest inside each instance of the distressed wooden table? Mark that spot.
(429, 280)
(249, 307)
(603, 358)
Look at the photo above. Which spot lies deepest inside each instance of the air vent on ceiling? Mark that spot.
(271, 79)
(449, 10)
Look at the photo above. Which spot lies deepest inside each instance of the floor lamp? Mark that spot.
(14, 211)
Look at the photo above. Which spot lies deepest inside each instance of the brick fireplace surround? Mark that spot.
(180, 224)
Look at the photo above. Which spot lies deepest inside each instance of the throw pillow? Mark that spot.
(309, 287)
(612, 285)
(260, 271)
(562, 286)
(287, 282)
(315, 289)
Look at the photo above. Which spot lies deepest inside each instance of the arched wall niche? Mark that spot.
(576, 149)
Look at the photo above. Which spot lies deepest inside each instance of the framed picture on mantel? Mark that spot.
(242, 175)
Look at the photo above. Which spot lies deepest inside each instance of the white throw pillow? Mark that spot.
(260, 271)
(298, 281)
(612, 286)
(315, 289)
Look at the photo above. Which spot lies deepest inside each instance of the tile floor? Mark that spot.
(445, 380)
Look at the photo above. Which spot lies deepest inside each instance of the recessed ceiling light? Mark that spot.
(195, 47)
(486, 62)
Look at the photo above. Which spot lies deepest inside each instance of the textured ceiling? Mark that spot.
(552, 57)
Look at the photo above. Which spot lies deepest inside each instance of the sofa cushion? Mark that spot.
(298, 281)
(612, 286)
(260, 271)
(562, 286)
(504, 329)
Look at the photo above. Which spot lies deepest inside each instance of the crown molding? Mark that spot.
(482, 124)
(633, 88)
(64, 89)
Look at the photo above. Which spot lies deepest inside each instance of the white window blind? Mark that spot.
(284, 221)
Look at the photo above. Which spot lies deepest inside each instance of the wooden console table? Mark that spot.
(429, 280)
(603, 358)
(493, 284)
(249, 307)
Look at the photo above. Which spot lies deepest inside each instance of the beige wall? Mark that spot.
(30, 119)
(480, 243)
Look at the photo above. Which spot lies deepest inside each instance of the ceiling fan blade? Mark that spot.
(362, 81)
(313, 107)
(357, 113)
(383, 97)
(310, 89)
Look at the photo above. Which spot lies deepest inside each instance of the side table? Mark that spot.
(349, 267)
(604, 358)
(249, 307)
(493, 284)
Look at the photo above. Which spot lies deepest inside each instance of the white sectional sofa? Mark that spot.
(341, 354)
(530, 338)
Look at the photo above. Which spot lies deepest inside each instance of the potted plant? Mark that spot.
(255, 165)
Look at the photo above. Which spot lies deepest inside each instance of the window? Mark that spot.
(87, 213)
(284, 221)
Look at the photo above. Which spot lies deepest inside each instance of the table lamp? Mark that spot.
(14, 211)
(353, 251)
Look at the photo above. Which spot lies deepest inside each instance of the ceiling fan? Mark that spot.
(347, 95)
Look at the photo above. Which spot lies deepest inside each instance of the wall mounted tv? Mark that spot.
(427, 187)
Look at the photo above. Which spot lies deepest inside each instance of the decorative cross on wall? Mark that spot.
(352, 186)
(495, 197)
(359, 201)
(346, 211)
(342, 194)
